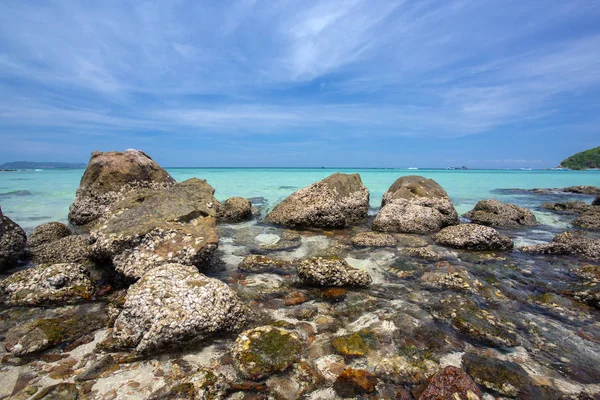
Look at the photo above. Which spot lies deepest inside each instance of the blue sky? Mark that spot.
(301, 83)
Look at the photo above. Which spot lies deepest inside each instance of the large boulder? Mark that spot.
(473, 237)
(69, 249)
(47, 284)
(574, 243)
(12, 242)
(108, 177)
(497, 214)
(589, 219)
(335, 202)
(331, 271)
(174, 305)
(235, 209)
(414, 204)
(48, 232)
(153, 227)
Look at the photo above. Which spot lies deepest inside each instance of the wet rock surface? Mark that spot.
(355, 382)
(374, 239)
(451, 383)
(414, 204)
(259, 263)
(153, 227)
(331, 271)
(47, 284)
(337, 201)
(46, 233)
(473, 237)
(12, 243)
(108, 177)
(265, 350)
(174, 304)
(235, 209)
(502, 215)
(570, 242)
(69, 249)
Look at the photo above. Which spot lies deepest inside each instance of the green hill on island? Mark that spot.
(584, 160)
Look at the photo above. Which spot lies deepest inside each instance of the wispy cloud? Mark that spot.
(400, 68)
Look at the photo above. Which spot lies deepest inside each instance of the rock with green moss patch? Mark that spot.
(337, 201)
(331, 271)
(265, 350)
(44, 333)
(47, 284)
(174, 304)
(152, 227)
(350, 345)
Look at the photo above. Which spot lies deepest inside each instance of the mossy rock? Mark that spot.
(265, 350)
(355, 345)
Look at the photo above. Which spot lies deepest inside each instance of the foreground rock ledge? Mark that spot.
(414, 204)
(337, 201)
(502, 215)
(173, 305)
(153, 227)
(108, 177)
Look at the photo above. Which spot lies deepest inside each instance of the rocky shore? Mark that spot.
(157, 290)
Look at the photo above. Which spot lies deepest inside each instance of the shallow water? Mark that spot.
(417, 317)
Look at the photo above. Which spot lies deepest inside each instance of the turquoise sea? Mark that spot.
(33, 197)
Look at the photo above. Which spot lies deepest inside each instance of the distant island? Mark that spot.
(39, 165)
(588, 159)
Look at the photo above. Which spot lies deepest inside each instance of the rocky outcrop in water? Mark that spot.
(152, 227)
(47, 284)
(501, 215)
(46, 233)
(12, 242)
(108, 177)
(596, 201)
(331, 271)
(265, 350)
(473, 237)
(173, 305)
(568, 243)
(568, 206)
(235, 209)
(589, 219)
(259, 263)
(337, 201)
(414, 204)
(374, 239)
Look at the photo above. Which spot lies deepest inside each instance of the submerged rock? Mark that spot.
(154, 227)
(174, 304)
(337, 201)
(331, 271)
(204, 384)
(265, 350)
(503, 377)
(589, 190)
(497, 214)
(568, 206)
(235, 209)
(47, 284)
(45, 333)
(596, 201)
(69, 249)
(12, 242)
(351, 345)
(414, 204)
(451, 383)
(374, 239)
(259, 263)
(473, 237)
(355, 382)
(48, 232)
(108, 177)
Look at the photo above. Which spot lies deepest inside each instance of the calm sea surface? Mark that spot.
(34, 197)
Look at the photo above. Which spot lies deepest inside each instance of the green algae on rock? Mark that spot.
(265, 350)
(355, 382)
(350, 345)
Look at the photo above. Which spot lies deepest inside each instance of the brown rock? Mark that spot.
(235, 209)
(48, 233)
(495, 213)
(355, 382)
(473, 237)
(451, 383)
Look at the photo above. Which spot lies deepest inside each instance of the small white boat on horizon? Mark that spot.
(413, 168)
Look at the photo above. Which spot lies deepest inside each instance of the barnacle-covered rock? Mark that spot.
(12, 242)
(414, 204)
(48, 232)
(259, 263)
(235, 209)
(502, 215)
(574, 243)
(331, 271)
(69, 249)
(174, 304)
(47, 284)
(110, 176)
(473, 237)
(374, 239)
(335, 202)
(149, 228)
